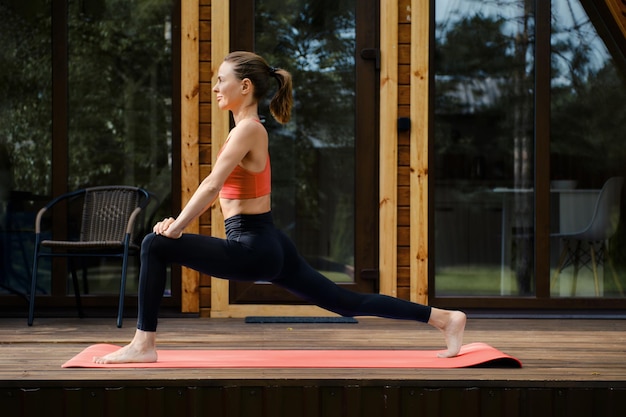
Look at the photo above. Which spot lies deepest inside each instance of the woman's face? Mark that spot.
(228, 88)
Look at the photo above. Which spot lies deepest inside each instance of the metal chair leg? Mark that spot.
(33, 286)
(120, 309)
(79, 304)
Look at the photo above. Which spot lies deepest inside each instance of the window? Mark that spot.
(89, 98)
(484, 148)
(529, 110)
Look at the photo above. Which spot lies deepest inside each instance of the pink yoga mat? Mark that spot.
(471, 355)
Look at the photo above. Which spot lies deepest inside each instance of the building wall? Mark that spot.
(404, 162)
(204, 156)
(403, 156)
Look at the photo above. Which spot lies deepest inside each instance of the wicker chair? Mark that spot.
(108, 219)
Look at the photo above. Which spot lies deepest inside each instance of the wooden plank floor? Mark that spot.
(570, 353)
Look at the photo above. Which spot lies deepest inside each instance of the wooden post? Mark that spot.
(420, 24)
(388, 204)
(618, 10)
(190, 99)
(220, 44)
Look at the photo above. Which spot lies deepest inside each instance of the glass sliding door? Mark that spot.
(25, 135)
(587, 152)
(89, 98)
(528, 155)
(120, 105)
(313, 157)
(483, 148)
(324, 161)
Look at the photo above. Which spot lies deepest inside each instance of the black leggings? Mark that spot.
(255, 250)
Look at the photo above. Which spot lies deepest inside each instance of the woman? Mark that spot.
(254, 249)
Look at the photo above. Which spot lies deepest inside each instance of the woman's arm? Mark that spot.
(239, 144)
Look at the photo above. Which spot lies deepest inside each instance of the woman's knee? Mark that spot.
(147, 241)
(154, 243)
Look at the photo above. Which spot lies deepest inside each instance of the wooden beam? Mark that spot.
(618, 10)
(244, 310)
(220, 45)
(388, 204)
(190, 99)
(419, 111)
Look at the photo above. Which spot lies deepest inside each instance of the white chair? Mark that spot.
(591, 245)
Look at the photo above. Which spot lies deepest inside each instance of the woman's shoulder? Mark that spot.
(248, 129)
(251, 124)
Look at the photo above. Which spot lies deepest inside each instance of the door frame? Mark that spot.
(220, 124)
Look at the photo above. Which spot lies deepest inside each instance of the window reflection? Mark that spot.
(120, 104)
(484, 148)
(120, 93)
(313, 156)
(588, 110)
(25, 134)
(484, 153)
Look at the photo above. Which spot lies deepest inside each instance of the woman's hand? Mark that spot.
(165, 228)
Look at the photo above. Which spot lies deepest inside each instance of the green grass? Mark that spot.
(468, 281)
(486, 281)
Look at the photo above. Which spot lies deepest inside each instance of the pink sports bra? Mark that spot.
(242, 183)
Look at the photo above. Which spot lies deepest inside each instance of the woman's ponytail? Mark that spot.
(281, 103)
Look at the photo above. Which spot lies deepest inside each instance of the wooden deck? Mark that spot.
(570, 367)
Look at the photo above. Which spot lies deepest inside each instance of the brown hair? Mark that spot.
(256, 69)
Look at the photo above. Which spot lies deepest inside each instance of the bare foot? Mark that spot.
(141, 349)
(452, 324)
